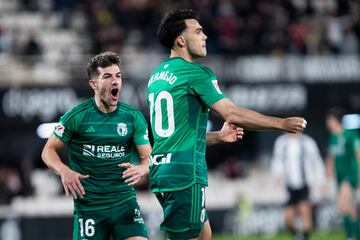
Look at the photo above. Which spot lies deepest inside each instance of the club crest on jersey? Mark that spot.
(59, 129)
(122, 129)
(216, 86)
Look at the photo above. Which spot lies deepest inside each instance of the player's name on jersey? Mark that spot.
(163, 75)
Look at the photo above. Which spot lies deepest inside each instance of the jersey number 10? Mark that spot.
(156, 107)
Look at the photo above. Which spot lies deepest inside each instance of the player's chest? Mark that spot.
(109, 129)
(338, 146)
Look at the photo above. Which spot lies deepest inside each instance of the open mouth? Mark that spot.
(114, 92)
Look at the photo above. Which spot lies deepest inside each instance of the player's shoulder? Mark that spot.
(351, 133)
(202, 69)
(78, 109)
(127, 108)
(280, 141)
(281, 138)
(306, 137)
(195, 68)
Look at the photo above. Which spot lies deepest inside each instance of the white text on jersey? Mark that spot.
(105, 151)
(160, 159)
(164, 75)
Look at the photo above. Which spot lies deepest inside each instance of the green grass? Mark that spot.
(315, 236)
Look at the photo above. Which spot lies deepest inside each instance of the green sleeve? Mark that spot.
(141, 130)
(205, 84)
(67, 127)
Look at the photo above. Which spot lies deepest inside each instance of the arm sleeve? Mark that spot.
(141, 129)
(66, 128)
(205, 84)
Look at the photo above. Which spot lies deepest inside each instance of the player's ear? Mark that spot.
(92, 83)
(180, 41)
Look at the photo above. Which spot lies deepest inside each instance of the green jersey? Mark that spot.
(343, 148)
(179, 95)
(97, 143)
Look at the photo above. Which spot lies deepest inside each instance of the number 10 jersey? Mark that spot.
(179, 95)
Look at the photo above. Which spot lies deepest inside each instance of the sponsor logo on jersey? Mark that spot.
(122, 129)
(59, 129)
(89, 150)
(159, 159)
(103, 151)
(216, 86)
(137, 217)
(90, 129)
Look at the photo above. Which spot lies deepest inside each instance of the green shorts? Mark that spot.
(184, 212)
(120, 222)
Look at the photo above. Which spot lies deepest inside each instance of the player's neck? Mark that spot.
(338, 130)
(103, 107)
(182, 53)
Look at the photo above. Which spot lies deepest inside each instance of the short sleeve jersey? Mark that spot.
(179, 95)
(343, 148)
(97, 143)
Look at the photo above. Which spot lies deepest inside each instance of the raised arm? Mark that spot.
(252, 120)
(70, 179)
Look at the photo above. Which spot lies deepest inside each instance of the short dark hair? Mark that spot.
(173, 24)
(102, 60)
(336, 112)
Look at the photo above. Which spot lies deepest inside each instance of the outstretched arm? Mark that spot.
(228, 133)
(69, 178)
(252, 120)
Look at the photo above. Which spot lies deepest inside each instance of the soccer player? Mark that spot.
(180, 94)
(297, 164)
(344, 155)
(102, 134)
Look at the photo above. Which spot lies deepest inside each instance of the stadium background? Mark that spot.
(279, 57)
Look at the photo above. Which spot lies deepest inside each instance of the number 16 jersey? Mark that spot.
(179, 95)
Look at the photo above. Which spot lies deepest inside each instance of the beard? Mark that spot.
(106, 98)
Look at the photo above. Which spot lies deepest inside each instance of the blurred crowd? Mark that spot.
(14, 177)
(233, 27)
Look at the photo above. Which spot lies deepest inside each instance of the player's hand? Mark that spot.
(72, 184)
(294, 124)
(134, 173)
(230, 133)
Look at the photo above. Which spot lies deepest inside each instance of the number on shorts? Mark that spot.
(203, 197)
(88, 228)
